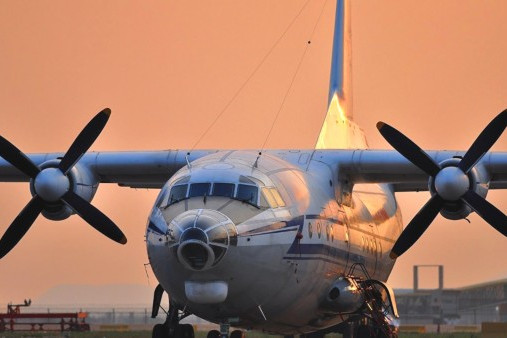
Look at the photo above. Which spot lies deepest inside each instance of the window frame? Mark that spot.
(233, 190)
(209, 184)
(256, 202)
(169, 201)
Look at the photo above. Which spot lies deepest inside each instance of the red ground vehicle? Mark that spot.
(14, 320)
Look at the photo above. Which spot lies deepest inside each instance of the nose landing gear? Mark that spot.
(224, 333)
(171, 327)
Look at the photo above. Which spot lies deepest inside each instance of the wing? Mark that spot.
(63, 184)
(384, 166)
(135, 169)
(151, 169)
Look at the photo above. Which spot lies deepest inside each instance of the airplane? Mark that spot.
(285, 241)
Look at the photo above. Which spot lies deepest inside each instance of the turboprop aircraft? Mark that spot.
(283, 241)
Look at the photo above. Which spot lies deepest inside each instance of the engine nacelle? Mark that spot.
(479, 180)
(345, 296)
(82, 182)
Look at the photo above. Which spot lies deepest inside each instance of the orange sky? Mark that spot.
(435, 70)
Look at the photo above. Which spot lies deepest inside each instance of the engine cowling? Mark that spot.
(81, 181)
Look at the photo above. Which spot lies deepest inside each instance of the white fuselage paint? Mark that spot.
(277, 279)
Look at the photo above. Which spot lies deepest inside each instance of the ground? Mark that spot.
(147, 334)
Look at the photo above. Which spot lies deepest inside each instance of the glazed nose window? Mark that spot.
(199, 189)
(247, 193)
(178, 192)
(223, 189)
(200, 238)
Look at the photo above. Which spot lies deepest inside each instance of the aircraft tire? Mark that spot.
(213, 334)
(237, 334)
(160, 331)
(185, 331)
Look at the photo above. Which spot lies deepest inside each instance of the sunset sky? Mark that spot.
(435, 70)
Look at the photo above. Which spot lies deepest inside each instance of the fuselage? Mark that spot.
(266, 237)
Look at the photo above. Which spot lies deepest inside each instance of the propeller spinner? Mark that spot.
(452, 183)
(52, 185)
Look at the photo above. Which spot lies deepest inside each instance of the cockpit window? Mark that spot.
(178, 192)
(247, 193)
(269, 198)
(161, 198)
(273, 197)
(223, 189)
(199, 189)
(277, 197)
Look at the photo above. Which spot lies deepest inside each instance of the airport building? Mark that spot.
(470, 305)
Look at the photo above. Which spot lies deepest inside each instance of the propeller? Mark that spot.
(451, 182)
(52, 185)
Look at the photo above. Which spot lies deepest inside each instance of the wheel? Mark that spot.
(213, 334)
(237, 334)
(160, 331)
(185, 331)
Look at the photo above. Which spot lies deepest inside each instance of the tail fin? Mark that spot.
(338, 131)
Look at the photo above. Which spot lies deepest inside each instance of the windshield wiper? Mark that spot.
(175, 201)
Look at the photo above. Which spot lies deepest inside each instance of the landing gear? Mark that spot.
(363, 330)
(185, 331)
(159, 331)
(224, 330)
(213, 334)
(181, 331)
(379, 313)
(224, 333)
(237, 334)
(172, 327)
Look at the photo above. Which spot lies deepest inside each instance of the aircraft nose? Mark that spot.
(202, 238)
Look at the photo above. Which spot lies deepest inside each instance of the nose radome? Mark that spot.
(202, 237)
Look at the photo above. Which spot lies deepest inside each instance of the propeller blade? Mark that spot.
(20, 225)
(16, 157)
(487, 211)
(417, 226)
(484, 141)
(408, 149)
(84, 140)
(94, 217)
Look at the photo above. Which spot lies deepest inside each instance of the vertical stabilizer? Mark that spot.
(338, 131)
